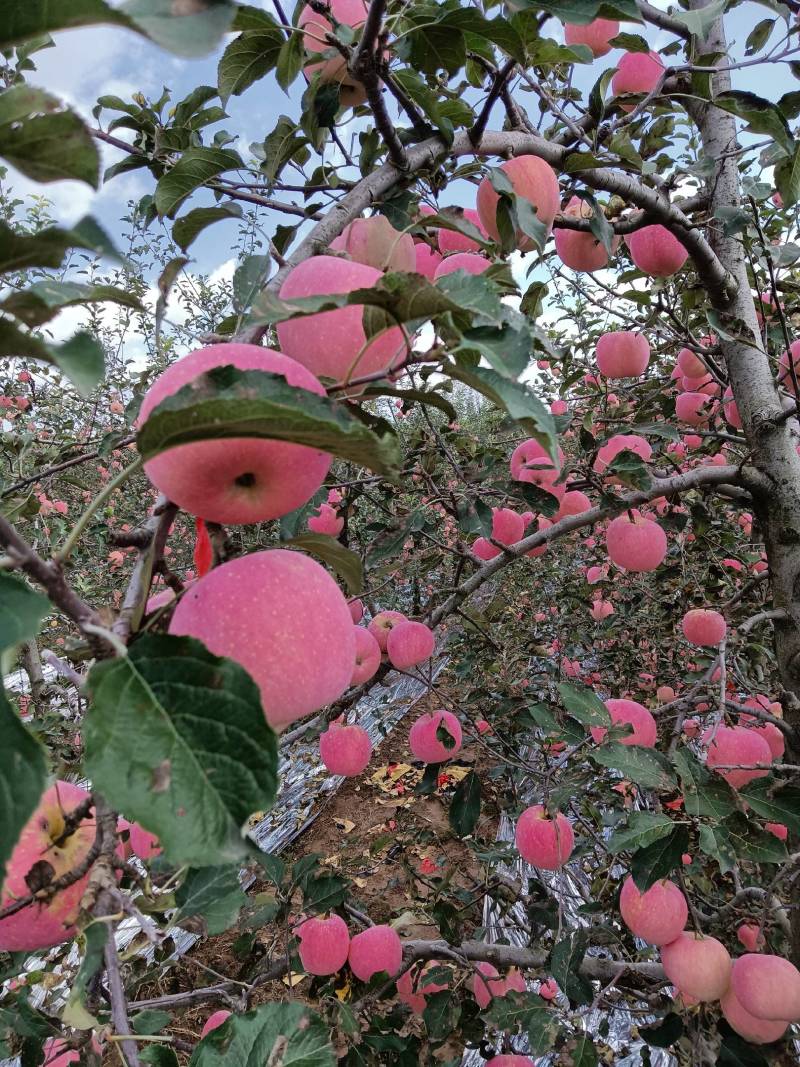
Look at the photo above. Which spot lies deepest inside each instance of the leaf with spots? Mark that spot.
(176, 739)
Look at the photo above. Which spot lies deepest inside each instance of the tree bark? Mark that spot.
(776, 496)
(32, 664)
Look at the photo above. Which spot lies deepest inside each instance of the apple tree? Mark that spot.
(500, 403)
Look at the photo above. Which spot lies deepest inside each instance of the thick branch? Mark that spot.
(681, 483)
(506, 144)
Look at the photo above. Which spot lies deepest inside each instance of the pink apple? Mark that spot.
(658, 915)
(376, 950)
(42, 925)
(345, 750)
(368, 656)
(533, 180)
(424, 743)
(542, 841)
(377, 243)
(332, 344)
(284, 619)
(243, 479)
(383, 622)
(409, 644)
(324, 944)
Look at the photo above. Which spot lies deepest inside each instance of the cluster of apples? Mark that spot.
(759, 994)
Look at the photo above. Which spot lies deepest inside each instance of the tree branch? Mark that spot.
(681, 483)
(49, 575)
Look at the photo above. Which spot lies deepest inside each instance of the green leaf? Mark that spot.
(76, 1012)
(658, 859)
(760, 115)
(441, 1014)
(229, 403)
(248, 281)
(465, 807)
(150, 1021)
(405, 297)
(158, 1055)
(759, 36)
(194, 168)
(204, 759)
(44, 139)
(42, 301)
(787, 178)
(645, 766)
(187, 228)
(565, 965)
(735, 1051)
(82, 359)
(584, 705)
(23, 611)
(215, 894)
(284, 143)
(47, 248)
(289, 61)
(582, 11)
(700, 21)
(341, 560)
(248, 58)
(23, 763)
(291, 1035)
(190, 30)
(32, 18)
(774, 802)
(641, 829)
(513, 397)
(704, 794)
(527, 1011)
(750, 842)
(664, 1033)
(428, 397)
(630, 42)
(584, 1054)
(507, 349)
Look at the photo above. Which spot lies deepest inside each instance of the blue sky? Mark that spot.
(87, 63)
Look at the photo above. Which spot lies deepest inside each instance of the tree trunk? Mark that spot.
(776, 493)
